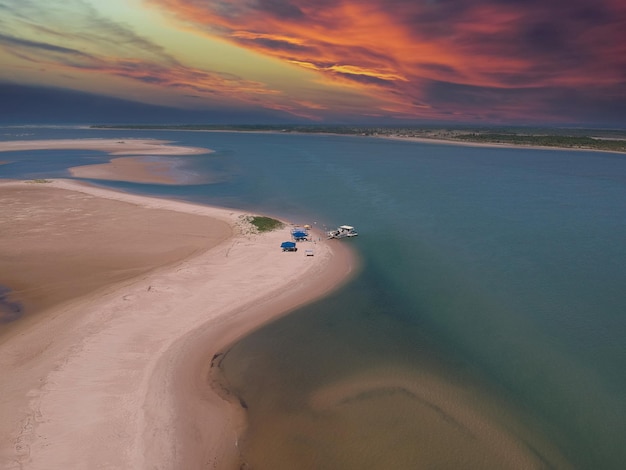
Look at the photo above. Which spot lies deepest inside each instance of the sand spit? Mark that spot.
(117, 378)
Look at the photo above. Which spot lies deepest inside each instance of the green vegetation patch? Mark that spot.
(560, 141)
(265, 224)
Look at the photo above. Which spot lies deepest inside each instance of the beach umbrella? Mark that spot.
(287, 245)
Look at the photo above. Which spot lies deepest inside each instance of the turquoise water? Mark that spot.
(498, 270)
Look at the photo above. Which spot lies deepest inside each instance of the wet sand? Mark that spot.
(57, 245)
(126, 299)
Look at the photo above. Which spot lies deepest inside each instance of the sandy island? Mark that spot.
(152, 161)
(126, 300)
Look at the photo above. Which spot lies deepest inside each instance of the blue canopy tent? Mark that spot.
(299, 235)
(288, 246)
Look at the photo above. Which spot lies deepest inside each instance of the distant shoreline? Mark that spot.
(539, 138)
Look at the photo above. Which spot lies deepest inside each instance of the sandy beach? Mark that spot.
(149, 162)
(123, 302)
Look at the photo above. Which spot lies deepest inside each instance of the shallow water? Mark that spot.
(10, 310)
(493, 275)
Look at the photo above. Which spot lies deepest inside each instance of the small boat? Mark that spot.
(342, 231)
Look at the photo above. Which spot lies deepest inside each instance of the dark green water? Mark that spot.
(487, 324)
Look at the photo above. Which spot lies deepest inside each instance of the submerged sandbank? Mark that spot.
(331, 387)
(158, 169)
(136, 170)
(118, 376)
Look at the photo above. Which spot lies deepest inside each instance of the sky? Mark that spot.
(526, 62)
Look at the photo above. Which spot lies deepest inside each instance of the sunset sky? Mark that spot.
(323, 61)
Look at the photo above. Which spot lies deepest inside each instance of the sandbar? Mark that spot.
(502, 145)
(111, 146)
(152, 160)
(114, 373)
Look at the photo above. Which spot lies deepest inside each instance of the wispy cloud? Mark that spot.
(73, 37)
(13, 43)
(74, 22)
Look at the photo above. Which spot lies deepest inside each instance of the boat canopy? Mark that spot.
(342, 231)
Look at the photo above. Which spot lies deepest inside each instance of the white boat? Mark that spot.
(342, 231)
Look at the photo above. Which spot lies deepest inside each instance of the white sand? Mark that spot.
(118, 378)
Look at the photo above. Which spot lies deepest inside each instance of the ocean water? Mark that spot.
(487, 324)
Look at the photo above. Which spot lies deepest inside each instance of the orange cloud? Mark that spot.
(407, 53)
(468, 59)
